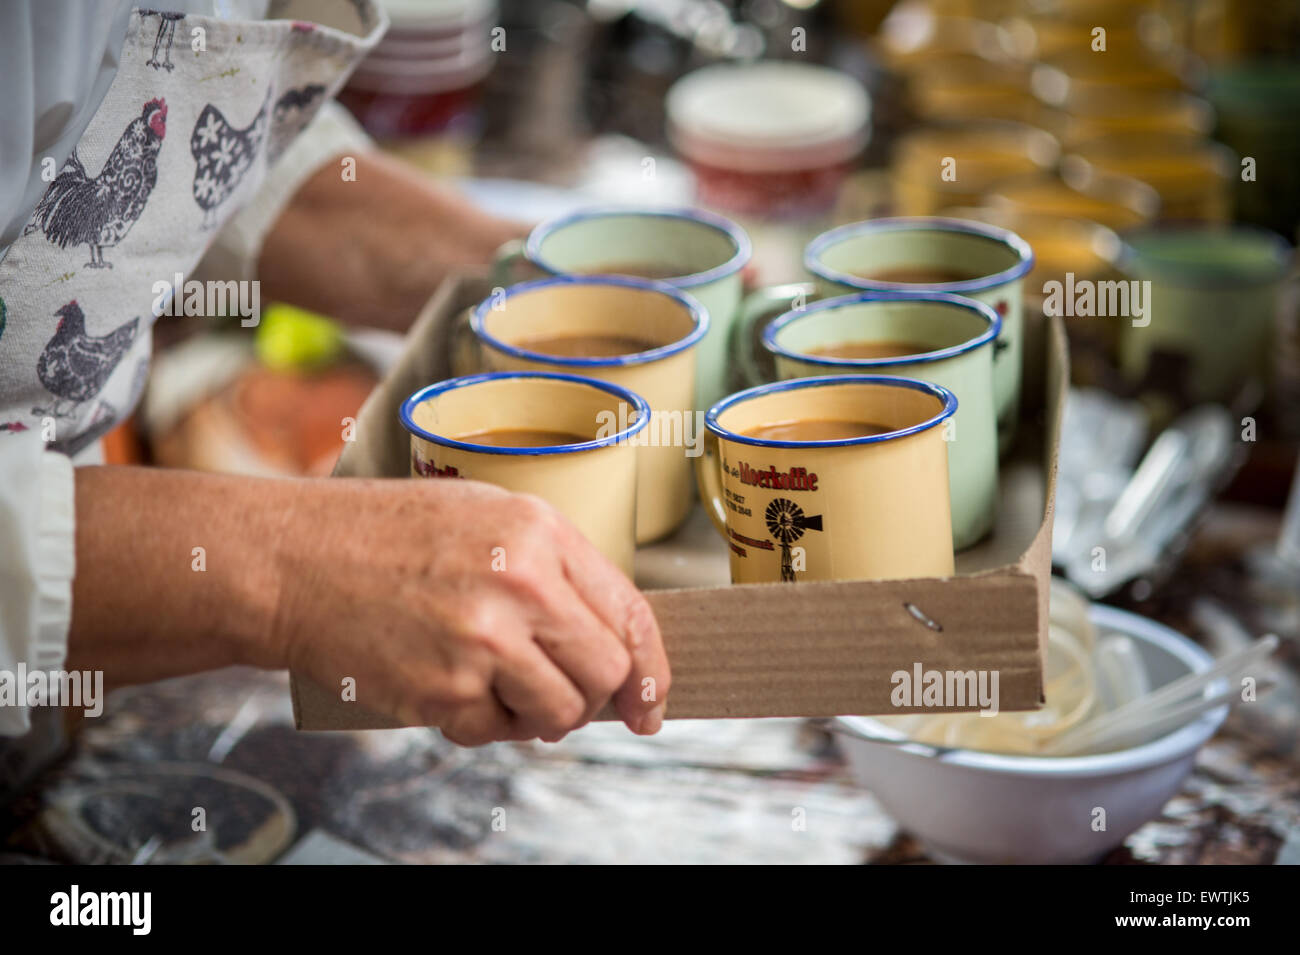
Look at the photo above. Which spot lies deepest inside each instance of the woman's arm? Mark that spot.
(390, 583)
(372, 251)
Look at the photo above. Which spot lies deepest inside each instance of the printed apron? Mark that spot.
(182, 140)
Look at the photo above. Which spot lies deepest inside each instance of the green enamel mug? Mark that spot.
(946, 340)
(937, 255)
(695, 251)
(1216, 296)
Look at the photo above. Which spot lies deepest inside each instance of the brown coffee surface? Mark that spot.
(887, 349)
(522, 438)
(917, 274)
(816, 429)
(587, 346)
(640, 270)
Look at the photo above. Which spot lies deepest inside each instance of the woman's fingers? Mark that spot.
(641, 699)
(541, 695)
(484, 721)
(594, 656)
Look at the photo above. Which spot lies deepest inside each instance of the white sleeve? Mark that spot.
(331, 133)
(37, 561)
(57, 60)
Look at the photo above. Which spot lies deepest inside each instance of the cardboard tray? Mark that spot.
(812, 649)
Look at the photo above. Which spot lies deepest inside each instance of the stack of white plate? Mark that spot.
(433, 46)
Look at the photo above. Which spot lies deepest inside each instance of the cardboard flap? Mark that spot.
(381, 448)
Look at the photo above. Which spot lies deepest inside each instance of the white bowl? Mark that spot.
(968, 806)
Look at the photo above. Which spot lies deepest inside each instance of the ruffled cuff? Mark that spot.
(37, 562)
(56, 561)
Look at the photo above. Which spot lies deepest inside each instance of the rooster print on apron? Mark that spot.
(198, 110)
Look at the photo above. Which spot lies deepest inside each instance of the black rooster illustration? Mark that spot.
(163, 41)
(74, 366)
(100, 210)
(223, 155)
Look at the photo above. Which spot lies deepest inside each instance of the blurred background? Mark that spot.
(1170, 153)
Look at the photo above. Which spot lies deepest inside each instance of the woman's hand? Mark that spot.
(395, 584)
(456, 604)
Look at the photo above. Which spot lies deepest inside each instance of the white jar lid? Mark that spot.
(436, 14)
(768, 116)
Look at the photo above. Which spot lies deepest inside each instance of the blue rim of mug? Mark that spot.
(813, 252)
(1130, 256)
(451, 384)
(937, 391)
(774, 327)
(698, 315)
(744, 248)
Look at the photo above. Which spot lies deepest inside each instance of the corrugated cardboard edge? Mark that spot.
(730, 647)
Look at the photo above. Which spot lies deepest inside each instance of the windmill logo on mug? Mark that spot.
(786, 522)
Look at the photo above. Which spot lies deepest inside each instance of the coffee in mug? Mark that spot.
(917, 275)
(521, 438)
(639, 270)
(587, 346)
(856, 350)
(816, 430)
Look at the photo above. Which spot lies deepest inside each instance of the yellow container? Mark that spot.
(941, 166)
(1193, 177)
(1116, 202)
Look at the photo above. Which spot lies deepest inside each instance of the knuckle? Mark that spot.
(565, 714)
(463, 688)
(530, 587)
(480, 625)
(639, 620)
(498, 645)
(533, 510)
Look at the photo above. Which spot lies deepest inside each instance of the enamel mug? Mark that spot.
(696, 251)
(869, 507)
(590, 479)
(986, 263)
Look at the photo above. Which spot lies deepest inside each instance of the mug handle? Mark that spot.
(508, 263)
(709, 479)
(762, 304)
